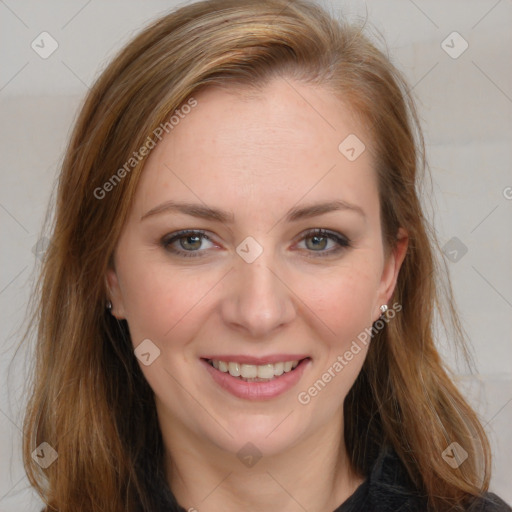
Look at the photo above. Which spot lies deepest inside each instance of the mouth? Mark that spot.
(255, 372)
(254, 378)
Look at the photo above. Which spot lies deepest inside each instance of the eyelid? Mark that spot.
(324, 232)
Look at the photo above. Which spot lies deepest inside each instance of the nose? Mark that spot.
(259, 300)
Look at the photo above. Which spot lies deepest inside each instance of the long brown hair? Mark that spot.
(89, 399)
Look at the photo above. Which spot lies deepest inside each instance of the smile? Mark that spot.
(252, 372)
(248, 380)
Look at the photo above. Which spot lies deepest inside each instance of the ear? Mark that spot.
(391, 269)
(114, 293)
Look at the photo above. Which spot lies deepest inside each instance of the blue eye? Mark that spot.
(320, 237)
(190, 242)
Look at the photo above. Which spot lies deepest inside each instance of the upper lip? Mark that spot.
(260, 360)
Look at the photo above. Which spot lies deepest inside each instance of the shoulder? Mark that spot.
(489, 502)
(389, 489)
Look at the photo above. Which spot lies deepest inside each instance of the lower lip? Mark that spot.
(257, 390)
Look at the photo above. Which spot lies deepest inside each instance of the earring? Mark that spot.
(383, 308)
(109, 305)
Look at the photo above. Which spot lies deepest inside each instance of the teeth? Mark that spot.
(265, 371)
(279, 368)
(234, 369)
(252, 371)
(249, 371)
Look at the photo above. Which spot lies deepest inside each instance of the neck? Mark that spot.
(315, 474)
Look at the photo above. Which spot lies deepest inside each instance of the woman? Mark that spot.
(236, 308)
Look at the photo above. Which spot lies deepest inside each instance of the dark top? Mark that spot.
(388, 488)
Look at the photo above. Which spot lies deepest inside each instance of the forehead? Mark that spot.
(277, 120)
(249, 148)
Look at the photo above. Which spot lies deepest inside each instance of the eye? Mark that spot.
(189, 242)
(319, 240)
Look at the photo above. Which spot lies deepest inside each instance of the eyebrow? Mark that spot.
(215, 214)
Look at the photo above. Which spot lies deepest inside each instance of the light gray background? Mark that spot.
(466, 109)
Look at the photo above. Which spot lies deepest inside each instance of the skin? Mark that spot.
(256, 156)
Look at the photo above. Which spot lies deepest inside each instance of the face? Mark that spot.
(254, 286)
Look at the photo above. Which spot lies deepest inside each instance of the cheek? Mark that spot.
(344, 305)
(160, 300)
(342, 300)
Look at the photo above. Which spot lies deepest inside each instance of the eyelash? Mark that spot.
(342, 241)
